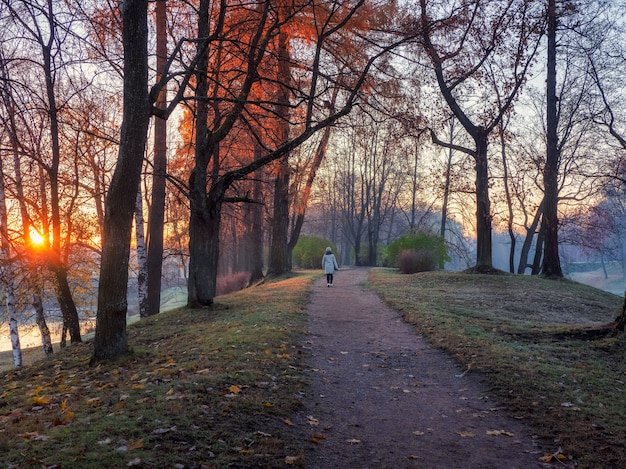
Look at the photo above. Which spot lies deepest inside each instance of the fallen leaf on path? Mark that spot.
(312, 421)
(288, 422)
(467, 434)
(354, 441)
(291, 459)
(418, 433)
(499, 432)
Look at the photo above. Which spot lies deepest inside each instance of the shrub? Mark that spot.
(309, 251)
(412, 261)
(231, 283)
(417, 242)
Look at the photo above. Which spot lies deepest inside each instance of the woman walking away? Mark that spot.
(329, 264)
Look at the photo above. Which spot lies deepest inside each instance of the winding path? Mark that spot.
(381, 397)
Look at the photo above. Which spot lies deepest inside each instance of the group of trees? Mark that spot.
(276, 108)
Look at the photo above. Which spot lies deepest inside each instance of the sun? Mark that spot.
(36, 238)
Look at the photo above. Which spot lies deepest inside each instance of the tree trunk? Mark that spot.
(483, 210)
(46, 341)
(156, 217)
(205, 209)
(528, 241)
(7, 275)
(57, 265)
(551, 266)
(142, 264)
(509, 201)
(204, 231)
(66, 302)
(305, 195)
(111, 340)
(446, 190)
(255, 256)
(279, 261)
(536, 267)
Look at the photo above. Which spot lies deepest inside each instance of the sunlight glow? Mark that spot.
(35, 237)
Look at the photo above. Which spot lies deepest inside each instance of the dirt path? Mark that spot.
(381, 397)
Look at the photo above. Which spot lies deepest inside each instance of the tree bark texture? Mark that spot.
(156, 218)
(279, 261)
(142, 264)
(551, 266)
(111, 339)
(483, 205)
(7, 276)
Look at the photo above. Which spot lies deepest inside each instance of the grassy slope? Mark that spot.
(530, 340)
(217, 388)
(210, 388)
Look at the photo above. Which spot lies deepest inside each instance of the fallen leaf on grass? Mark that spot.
(557, 456)
(94, 402)
(34, 436)
(234, 389)
(137, 444)
(41, 400)
(160, 431)
(499, 432)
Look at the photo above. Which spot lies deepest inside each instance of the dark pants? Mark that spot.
(329, 278)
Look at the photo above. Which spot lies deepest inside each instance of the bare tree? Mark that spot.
(460, 42)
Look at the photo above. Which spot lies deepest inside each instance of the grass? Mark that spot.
(212, 388)
(216, 388)
(534, 342)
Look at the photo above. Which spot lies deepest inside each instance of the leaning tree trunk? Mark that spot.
(111, 340)
(46, 340)
(528, 241)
